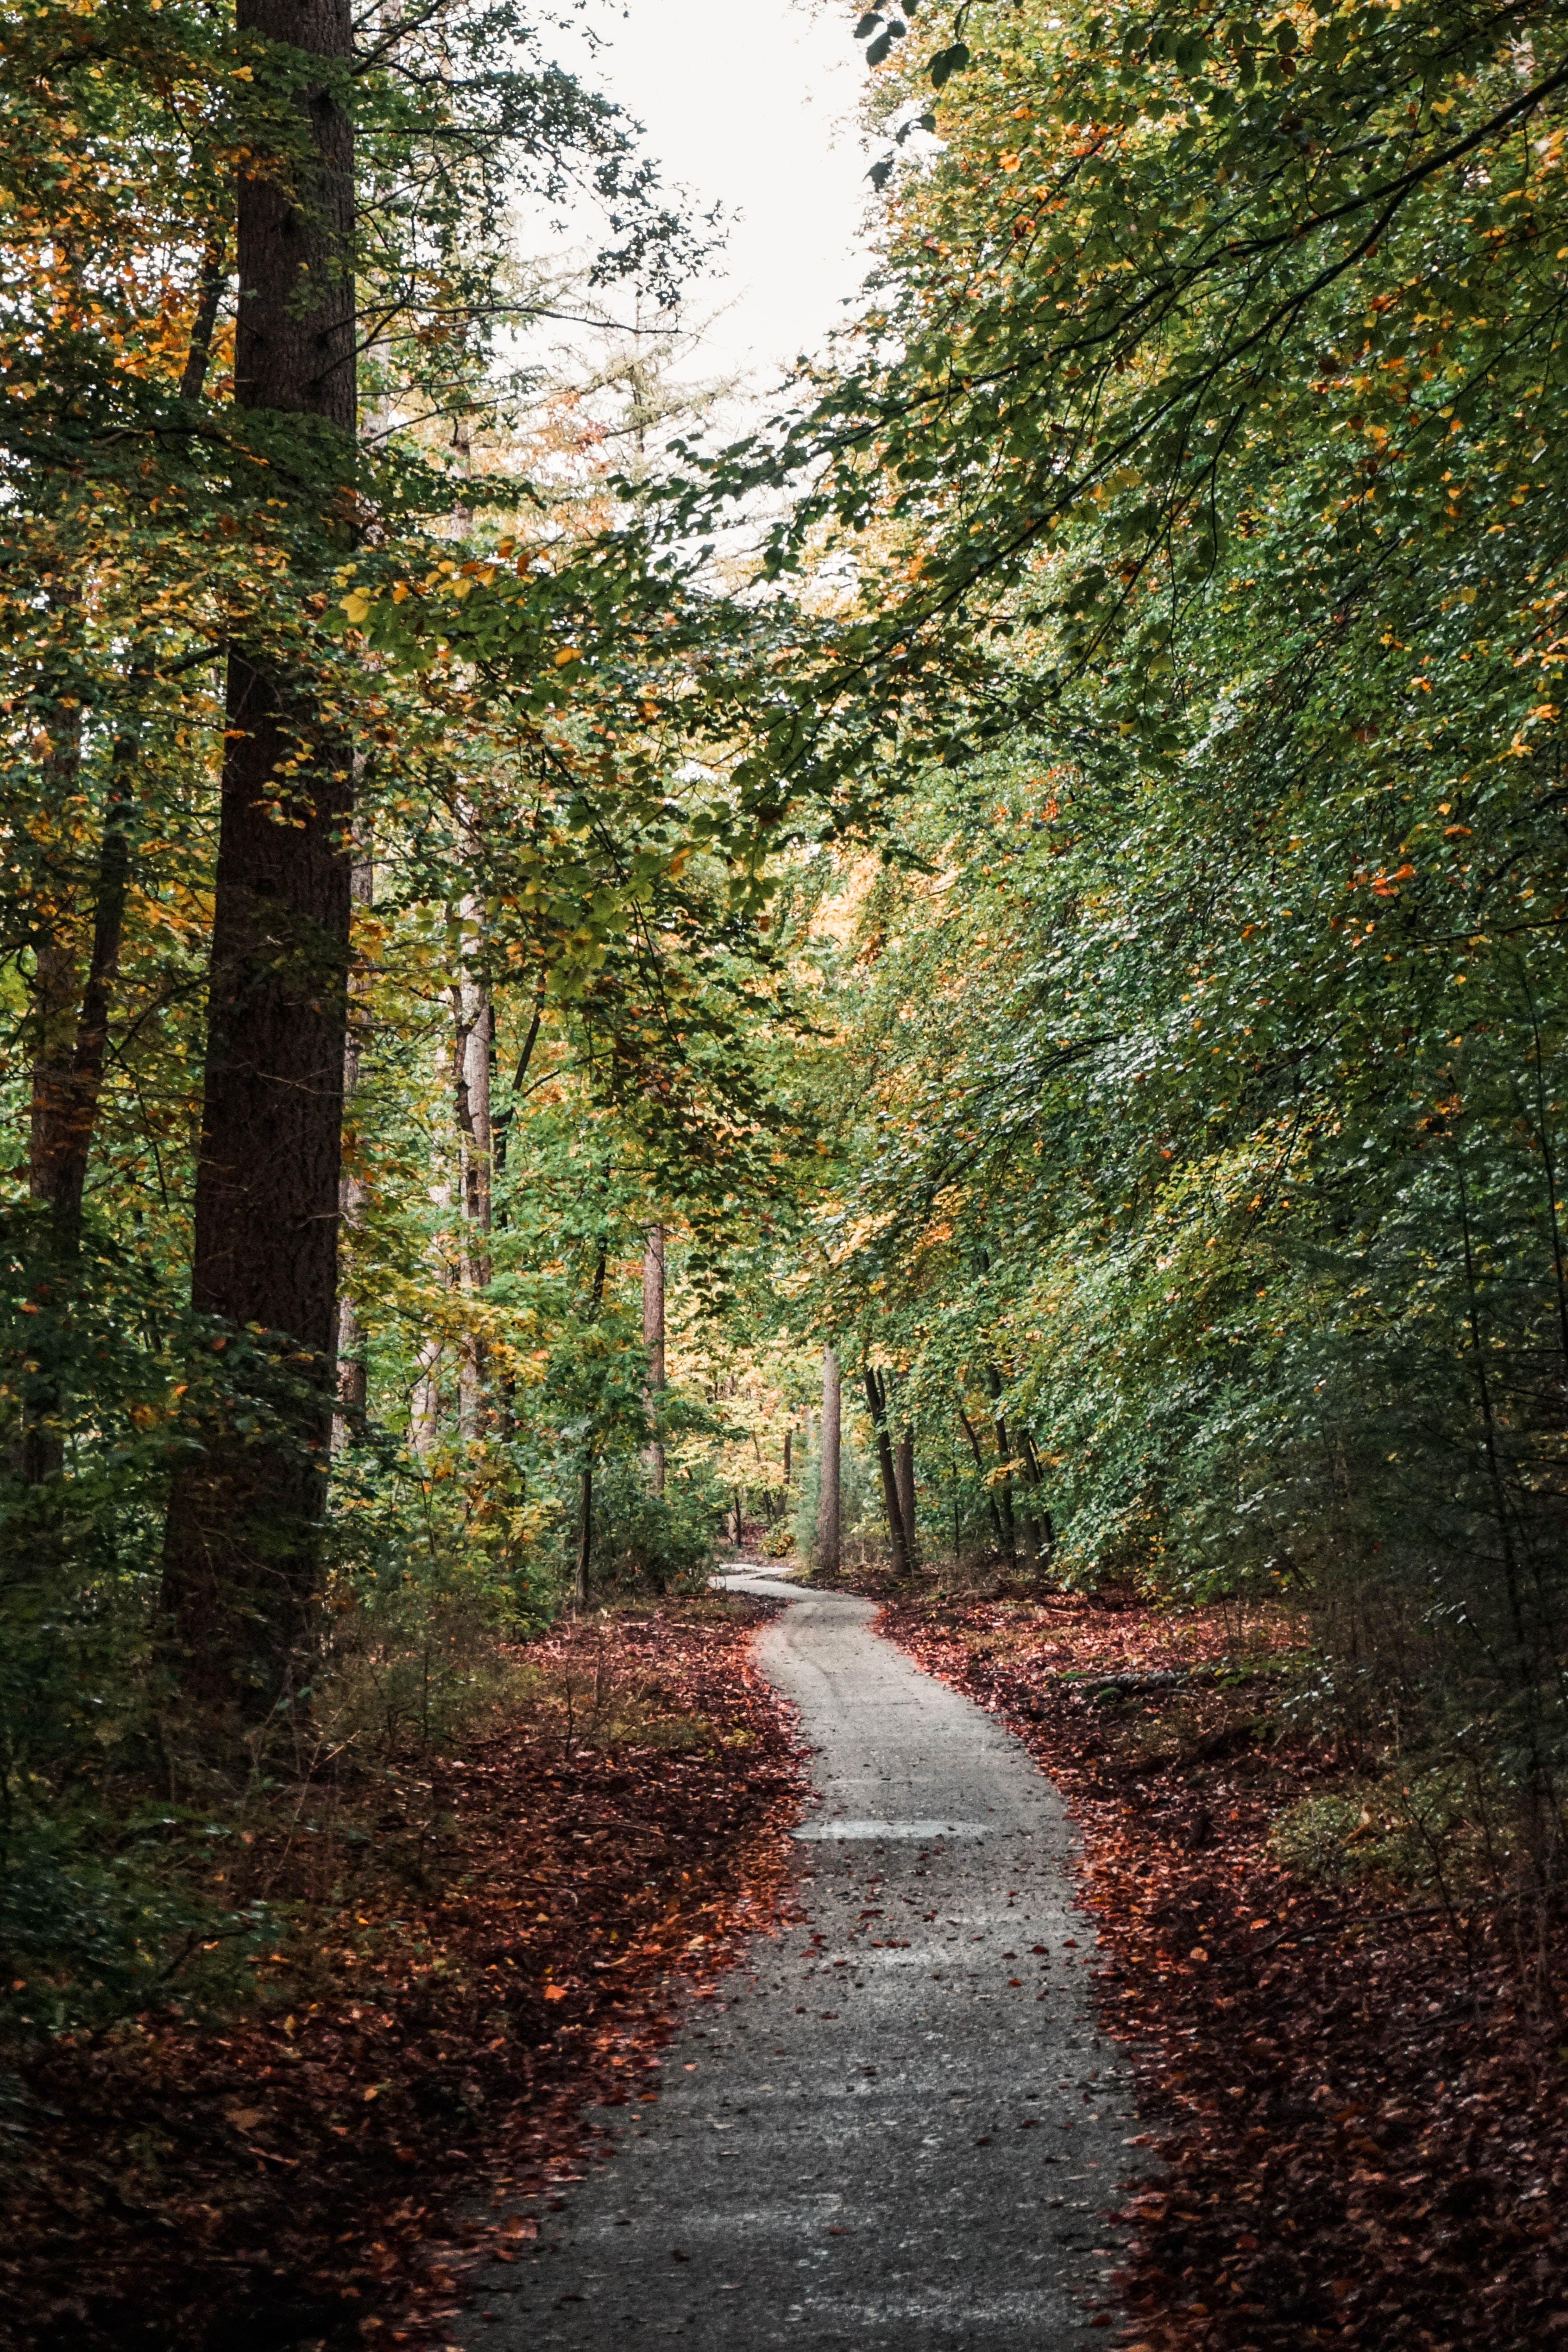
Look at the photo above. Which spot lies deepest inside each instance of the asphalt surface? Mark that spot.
(901, 2129)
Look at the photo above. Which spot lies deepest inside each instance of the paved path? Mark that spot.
(902, 2131)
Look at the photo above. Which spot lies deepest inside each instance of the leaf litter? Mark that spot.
(525, 1915)
(1358, 2101)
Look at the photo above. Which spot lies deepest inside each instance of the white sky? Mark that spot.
(751, 107)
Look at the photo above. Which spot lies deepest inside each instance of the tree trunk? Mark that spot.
(585, 1532)
(1004, 1455)
(353, 1191)
(242, 1545)
(990, 1491)
(473, 1028)
(904, 1469)
(653, 1340)
(1044, 1534)
(877, 1398)
(54, 989)
(425, 1404)
(787, 1435)
(827, 1529)
(584, 1537)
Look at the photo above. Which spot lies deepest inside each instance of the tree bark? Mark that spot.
(473, 1022)
(242, 1545)
(827, 1527)
(969, 1432)
(1004, 1455)
(876, 1399)
(904, 1469)
(54, 985)
(653, 1340)
(354, 1386)
(584, 1537)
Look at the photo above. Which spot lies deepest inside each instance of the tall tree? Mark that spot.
(242, 1546)
(653, 1340)
(827, 1502)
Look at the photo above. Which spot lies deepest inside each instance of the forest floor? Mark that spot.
(1360, 2119)
(1361, 2116)
(512, 1924)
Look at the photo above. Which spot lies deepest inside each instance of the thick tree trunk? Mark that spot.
(243, 1537)
(827, 1529)
(653, 1340)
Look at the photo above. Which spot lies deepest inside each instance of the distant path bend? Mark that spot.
(902, 2132)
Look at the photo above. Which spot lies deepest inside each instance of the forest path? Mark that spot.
(900, 2129)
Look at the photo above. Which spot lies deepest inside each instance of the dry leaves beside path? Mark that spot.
(506, 1949)
(1364, 2127)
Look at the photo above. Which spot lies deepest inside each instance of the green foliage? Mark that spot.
(1205, 1037)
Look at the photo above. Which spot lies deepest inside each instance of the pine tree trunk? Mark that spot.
(653, 1340)
(243, 1537)
(827, 1527)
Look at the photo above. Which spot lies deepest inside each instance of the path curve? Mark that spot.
(901, 2129)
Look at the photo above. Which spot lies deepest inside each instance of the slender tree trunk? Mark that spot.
(827, 1527)
(501, 1134)
(1044, 1534)
(86, 1083)
(473, 1027)
(876, 1399)
(54, 985)
(904, 1472)
(353, 1191)
(425, 1404)
(653, 1340)
(1004, 1454)
(209, 294)
(787, 1435)
(585, 1530)
(243, 1537)
(990, 1491)
(584, 1536)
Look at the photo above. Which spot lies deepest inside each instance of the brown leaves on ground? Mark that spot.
(1360, 2119)
(505, 1947)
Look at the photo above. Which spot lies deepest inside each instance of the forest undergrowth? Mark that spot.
(497, 1934)
(1356, 2094)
